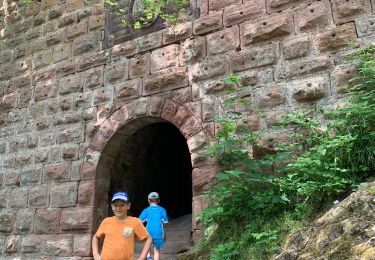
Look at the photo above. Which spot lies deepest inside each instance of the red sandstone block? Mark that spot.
(340, 77)
(92, 60)
(63, 195)
(102, 95)
(47, 221)
(118, 118)
(12, 244)
(365, 25)
(177, 33)
(129, 89)
(169, 110)
(346, 10)
(150, 41)
(126, 49)
(156, 106)
(70, 84)
(55, 37)
(56, 172)
(66, 67)
(8, 101)
(94, 77)
(21, 81)
(247, 11)
(249, 58)
(300, 67)
(336, 39)
(45, 90)
(223, 41)
(24, 221)
(166, 80)
(6, 71)
(139, 66)
(202, 177)
(22, 66)
(58, 245)
(82, 245)
(70, 153)
(12, 177)
(139, 108)
(38, 196)
(18, 144)
(32, 243)
(314, 15)
(296, 47)
(117, 71)
(191, 127)
(272, 26)
(62, 52)
(76, 30)
(209, 68)
(268, 98)
(24, 98)
(7, 218)
(86, 43)
(86, 193)
(220, 4)
(192, 50)
(164, 58)
(279, 3)
(77, 219)
(209, 23)
(96, 22)
(309, 90)
(73, 5)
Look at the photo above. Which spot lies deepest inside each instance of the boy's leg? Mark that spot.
(156, 253)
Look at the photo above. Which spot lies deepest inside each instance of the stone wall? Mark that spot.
(63, 98)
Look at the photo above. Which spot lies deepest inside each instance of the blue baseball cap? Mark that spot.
(120, 196)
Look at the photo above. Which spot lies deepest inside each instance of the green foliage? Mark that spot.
(257, 202)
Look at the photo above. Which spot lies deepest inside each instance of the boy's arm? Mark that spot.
(146, 248)
(95, 251)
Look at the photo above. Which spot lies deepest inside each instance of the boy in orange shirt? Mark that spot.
(119, 233)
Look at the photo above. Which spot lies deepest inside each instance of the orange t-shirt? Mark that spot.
(119, 237)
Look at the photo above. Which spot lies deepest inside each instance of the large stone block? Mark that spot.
(86, 43)
(71, 135)
(24, 221)
(150, 41)
(209, 68)
(223, 41)
(64, 195)
(62, 52)
(117, 71)
(209, 23)
(18, 198)
(202, 177)
(192, 50)
(32, 243)
(129, 89)
(336, 39)
(314, 16)
(139, 66)
(7, 218)
(58, 245)
(93, 77)
(366, 25)
(126, 49)
(254, 57)
(70, 84)
(30, 176)
(76, 220)
(301, 67)
(220, 4)
(309, 90)
(76, 30)
(346, 10)
(103, 95)
(272, 26)
(270, 97)
(12, 177)
(164, 58)
(86, 193)
(38, 196)
(58, 172)
(45, 90)
(240, 13)
(47, 221)
(177, 33)
(82, 245)
(165, 80)
(296, 47)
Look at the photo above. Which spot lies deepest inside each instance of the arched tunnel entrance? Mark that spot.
(154, 158)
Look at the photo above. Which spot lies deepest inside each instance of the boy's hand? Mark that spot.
(97, 257)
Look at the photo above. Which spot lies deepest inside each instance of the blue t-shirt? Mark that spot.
(155, 217)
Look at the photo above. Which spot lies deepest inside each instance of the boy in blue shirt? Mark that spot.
(155, 216)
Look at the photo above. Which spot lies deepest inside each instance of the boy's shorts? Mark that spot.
(158, 243)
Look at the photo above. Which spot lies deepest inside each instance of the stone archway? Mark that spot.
(129, 120)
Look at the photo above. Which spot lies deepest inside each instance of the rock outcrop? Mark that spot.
(347, 231)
